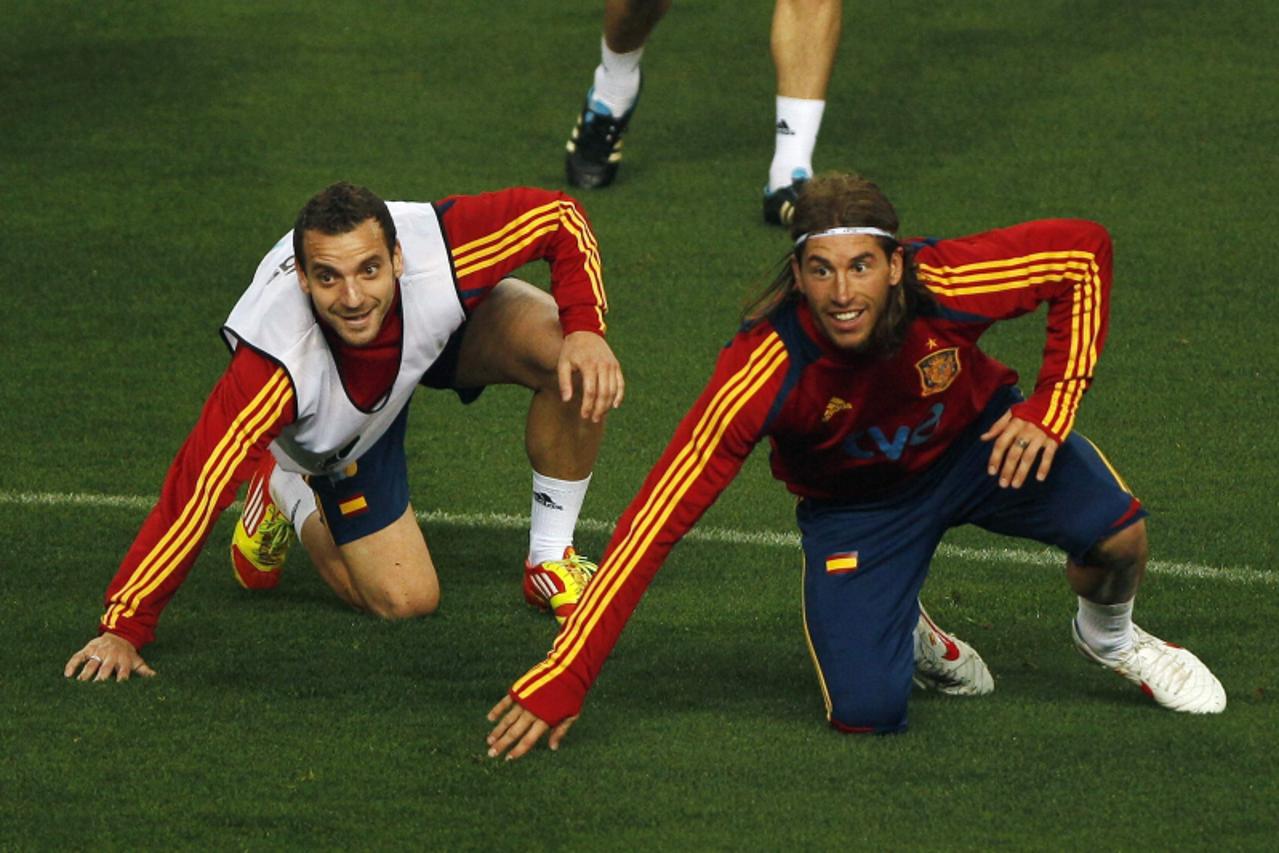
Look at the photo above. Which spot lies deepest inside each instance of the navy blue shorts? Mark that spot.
(375, 494)
(442, 373)
(864, 564)
(372, 493)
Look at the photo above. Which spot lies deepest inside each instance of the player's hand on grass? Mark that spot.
(105, 657)
(1016, 445)
(519, 729)
(589, 355)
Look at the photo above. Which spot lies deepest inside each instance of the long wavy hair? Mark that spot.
(846, 199)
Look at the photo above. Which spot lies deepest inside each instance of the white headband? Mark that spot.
(834, 232)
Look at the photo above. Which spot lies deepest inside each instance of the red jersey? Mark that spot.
(845, 426)
(489, 236)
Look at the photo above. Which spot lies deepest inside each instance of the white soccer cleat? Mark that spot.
(945, 663)
(1169, 674)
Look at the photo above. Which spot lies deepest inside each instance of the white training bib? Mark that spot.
(275, 318)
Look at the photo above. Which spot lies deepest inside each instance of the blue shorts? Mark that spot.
(864, 564)
(376, 493)
(373, 495)
(442, 373)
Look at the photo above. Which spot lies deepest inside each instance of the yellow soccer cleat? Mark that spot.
(557, 585)
(262, 535)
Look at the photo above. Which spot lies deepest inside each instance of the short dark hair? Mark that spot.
(339, 209)
(846, 199)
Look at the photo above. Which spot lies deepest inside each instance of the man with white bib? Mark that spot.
(346, 316)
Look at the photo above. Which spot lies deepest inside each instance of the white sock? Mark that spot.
(293, 496)
(556, 505)
(798, 121)
(617, 79)
(1106, 628)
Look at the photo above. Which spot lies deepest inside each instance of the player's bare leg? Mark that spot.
(515, 337)
(1113, 569)
(388, 573)
(804, 40)
(628, 23)
(559, 441)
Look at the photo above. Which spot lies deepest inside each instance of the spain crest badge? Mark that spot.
(937, 370)
(834, 406)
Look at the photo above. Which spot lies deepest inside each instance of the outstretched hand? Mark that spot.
(104, 657)
(590, 356)
(1016, 445)
(519, 729)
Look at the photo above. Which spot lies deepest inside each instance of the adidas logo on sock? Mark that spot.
(783, 129)
(545, 500)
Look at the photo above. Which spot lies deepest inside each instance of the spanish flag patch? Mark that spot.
(353, 506)
(842, 563)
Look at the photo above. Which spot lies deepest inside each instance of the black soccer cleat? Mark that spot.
(779, 205)
(595, 148)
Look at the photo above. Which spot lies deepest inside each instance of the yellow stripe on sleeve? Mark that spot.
(252, 421)
(651, 509)
(195, 527)
(511, 246)
(1060, 400)
(1097, 309)
(712, 423)
(683, 472)
(526, 229)
(1082, 360)
(589, 246)
(518, 223)
(1006, 274)
(1007, 265)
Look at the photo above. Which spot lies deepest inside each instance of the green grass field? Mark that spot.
(153, 151)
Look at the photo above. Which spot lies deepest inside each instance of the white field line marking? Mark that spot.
(1048, 557)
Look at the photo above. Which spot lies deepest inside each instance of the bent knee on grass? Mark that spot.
(873, 704)
(875, 718)
(398, 603)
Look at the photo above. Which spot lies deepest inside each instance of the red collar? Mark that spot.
(368, 372)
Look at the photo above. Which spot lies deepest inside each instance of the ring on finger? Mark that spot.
(95, 657)
(1023, 443)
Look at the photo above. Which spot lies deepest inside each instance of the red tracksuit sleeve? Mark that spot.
(703, 457)
(1011, 271)
(247, 409)
(493, 234)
